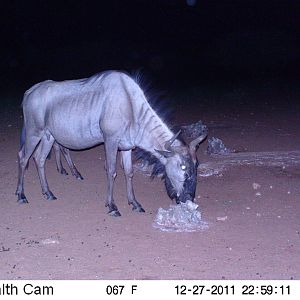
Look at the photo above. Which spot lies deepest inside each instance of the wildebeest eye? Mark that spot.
(183, 167)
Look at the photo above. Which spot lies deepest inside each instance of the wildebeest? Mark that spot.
(109, 108)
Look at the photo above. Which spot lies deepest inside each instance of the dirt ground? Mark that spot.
(252, 211)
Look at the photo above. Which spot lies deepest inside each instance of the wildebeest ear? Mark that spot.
(194, 145)
(166, 154)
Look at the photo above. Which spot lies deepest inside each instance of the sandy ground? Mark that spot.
(254, 230)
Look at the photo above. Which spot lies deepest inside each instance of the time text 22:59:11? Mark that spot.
(230, 290)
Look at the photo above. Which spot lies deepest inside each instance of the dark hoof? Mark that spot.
(22, 199)
(138, 209)
(114, 213)
(50, 196)
(78, 176)
(64, 172)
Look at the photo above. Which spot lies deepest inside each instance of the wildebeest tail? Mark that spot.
(22, 142)
(23, 136)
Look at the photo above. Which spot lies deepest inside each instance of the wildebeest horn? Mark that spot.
(168, 147)
(170, 142)
(166, 154)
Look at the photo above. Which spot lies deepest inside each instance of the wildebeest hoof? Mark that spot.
(114, 213)
(78, 176)
(63, 172)
(138, 209)
(22, 199)
(49, 195)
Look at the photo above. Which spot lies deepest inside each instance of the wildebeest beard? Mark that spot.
(158, 169)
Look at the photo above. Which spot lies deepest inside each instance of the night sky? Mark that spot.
(171, 41)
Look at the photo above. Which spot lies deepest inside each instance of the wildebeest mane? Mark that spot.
(158, 100)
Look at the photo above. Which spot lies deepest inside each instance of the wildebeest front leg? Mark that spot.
(59, 165)
(111, 149)
(67, 156)
(128, 170)
(40, 156)
(58, 149)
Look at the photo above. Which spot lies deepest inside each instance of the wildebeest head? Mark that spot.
(181, 168)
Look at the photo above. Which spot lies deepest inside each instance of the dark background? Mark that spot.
(172, 42)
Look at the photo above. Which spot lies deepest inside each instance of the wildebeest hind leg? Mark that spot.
(111, 149)
(40, 156)
(23, 156)
(128, 170)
